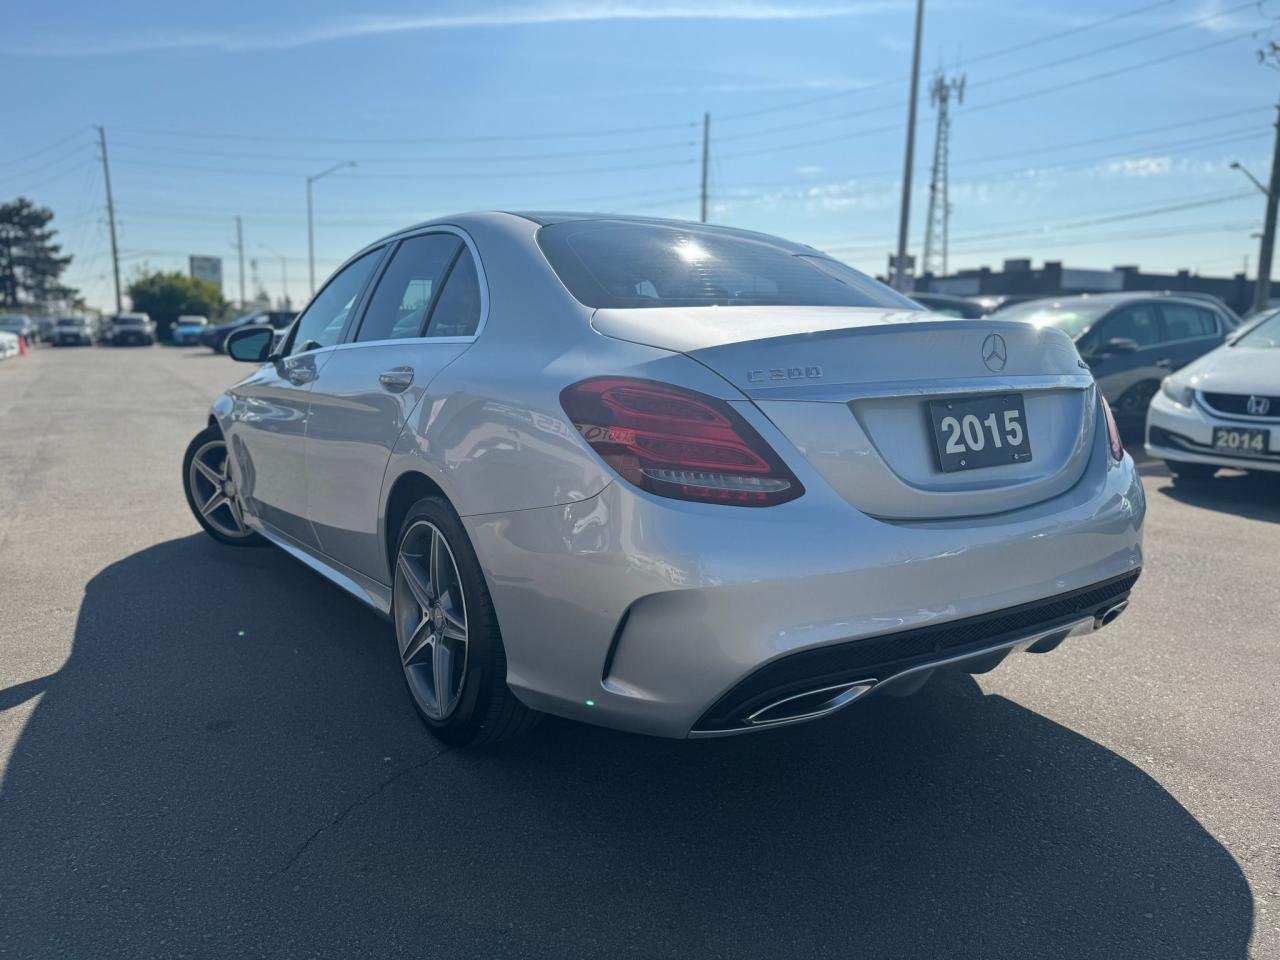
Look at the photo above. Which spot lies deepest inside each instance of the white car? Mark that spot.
(1223, 410)
(667, 477)
(8, 345)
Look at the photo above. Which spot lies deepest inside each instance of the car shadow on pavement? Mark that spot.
(1255, 496)
(227, 765)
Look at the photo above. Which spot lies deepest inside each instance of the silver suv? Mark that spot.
(131, 328)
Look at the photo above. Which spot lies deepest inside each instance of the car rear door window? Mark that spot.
(457, 310)
(1182, 321)
(1136, 323)
(409, 286)
(321, 323)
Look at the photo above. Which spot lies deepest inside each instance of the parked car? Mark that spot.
(135, 328)
(215, 338)
(188, 330)
(1223, 410)
(995, 302)
(8, 345)
(44, 329)
(1131, 341)
(72, 331)
(669, 478)
(20, 325)
(949, 306)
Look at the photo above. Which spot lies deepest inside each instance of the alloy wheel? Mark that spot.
(214, 491)
(431, 620)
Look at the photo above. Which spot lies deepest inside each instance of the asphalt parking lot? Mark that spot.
(208, 752)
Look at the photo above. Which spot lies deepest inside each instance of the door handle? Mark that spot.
(396, 379)
(1164, 362)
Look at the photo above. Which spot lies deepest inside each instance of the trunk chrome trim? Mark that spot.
(933, 387)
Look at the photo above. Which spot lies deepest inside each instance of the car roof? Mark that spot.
(547, 218)
(1127, 296)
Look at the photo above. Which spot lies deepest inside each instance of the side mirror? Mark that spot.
(251, 344)
(1122, 345)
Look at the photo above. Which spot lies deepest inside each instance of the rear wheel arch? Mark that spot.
(408, 488)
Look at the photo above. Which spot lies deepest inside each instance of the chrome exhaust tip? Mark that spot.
(1109, 615)
(810, 704)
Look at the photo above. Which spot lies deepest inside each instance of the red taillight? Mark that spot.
(678, 443)
(1113, 432)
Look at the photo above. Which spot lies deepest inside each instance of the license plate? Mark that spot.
(1241, 441)
(985, 431)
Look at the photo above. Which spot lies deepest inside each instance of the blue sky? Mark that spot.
(218, 110)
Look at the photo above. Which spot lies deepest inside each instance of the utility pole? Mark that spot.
(240, 252)
(938, 222)
(111, 215)
(311, 232)
(904, 218)
(1262, 292)
(706, 153)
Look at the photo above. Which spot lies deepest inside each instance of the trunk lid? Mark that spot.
(850, 388)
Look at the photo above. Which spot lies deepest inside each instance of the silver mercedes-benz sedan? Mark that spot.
(666, 477)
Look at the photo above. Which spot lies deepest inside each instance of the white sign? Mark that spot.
(207, 268)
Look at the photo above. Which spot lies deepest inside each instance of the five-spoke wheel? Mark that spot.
(211, 490)
(451, 651)
(431, 619)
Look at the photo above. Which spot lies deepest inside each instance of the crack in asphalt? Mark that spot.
(351, 808)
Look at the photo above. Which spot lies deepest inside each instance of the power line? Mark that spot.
(491, 138)
(1008, 154)
(1044, 229)
(886, 107)
(45, 149)
(1070, 31)
(1107, 74)
(433, 175)
(488, 158)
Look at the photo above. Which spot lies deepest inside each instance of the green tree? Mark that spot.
(167, 296)
(31, 264)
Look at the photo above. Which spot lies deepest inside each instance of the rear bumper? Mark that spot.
(1185, 435)
(643, 614)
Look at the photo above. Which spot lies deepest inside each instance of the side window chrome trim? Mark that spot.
(481, 278)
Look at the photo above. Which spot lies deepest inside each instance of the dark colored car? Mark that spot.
(1131, 341)
(949, 306)
(131, 329)
(215, 338)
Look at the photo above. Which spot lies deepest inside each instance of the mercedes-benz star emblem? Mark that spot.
(1258, 406)
(994, 352)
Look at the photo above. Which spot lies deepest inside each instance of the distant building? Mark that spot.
(1053, 279)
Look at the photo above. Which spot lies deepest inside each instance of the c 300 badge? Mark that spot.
(811, 372)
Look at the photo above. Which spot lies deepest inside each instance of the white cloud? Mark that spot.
(1141, 167)
(254, 37)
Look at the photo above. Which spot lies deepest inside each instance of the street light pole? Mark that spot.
(1262, 288)
(311, 233)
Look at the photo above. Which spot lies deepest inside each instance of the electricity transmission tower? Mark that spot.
(938, 226)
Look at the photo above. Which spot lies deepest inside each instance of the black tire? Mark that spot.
(486, 710)
(202, 440)
(1191, 471)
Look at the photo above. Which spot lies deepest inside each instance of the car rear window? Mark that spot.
(621, 264)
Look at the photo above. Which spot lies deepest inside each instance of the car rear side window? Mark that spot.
(399, 306)
(457, 310)
(624, 264)
(1182, 321)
